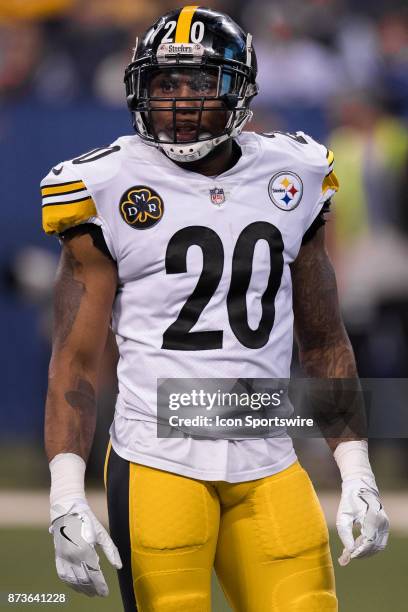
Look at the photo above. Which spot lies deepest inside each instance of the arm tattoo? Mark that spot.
(82, 398)
(325, 350)
(80, 430)
(324, 347)
(68, 295)
(85, 284)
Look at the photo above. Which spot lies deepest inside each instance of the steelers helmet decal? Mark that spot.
(141, 207)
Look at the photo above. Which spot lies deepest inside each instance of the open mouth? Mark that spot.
(186, 130)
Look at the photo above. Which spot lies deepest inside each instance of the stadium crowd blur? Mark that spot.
(336, 69)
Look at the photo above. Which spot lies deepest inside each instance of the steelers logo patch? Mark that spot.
(141, 207)
(285, 190)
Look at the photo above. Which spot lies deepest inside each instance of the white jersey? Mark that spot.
(204, 279)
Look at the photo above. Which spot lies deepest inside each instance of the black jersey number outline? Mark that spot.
(178, 336)
(95, 154)
(296, 136)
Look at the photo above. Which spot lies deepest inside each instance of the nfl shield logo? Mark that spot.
(217, 196)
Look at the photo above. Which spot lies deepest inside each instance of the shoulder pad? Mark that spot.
(68, 190)
(330, 182)
(98, 166)
(314, 155)
(300, 144)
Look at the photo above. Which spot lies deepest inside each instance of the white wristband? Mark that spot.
(352, 459)
(67, 478)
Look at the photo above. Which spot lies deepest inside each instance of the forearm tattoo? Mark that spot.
(71, 429)
(68, 296)
(325, 351)
(324, 348)
(82, 400)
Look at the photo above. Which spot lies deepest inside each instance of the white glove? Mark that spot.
(76, 529)
(360, 504)
(75, 533)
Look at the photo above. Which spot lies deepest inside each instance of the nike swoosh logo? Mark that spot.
(57, 170)
(360, 496)
(363, 500)
(94, 569)
(64, 535)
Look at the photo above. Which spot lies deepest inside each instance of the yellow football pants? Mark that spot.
(266, 538)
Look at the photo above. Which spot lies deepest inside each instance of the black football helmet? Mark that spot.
(211, 53)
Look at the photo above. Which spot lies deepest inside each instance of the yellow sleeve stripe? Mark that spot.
(58, 217)
(184, 24)
(330, 157)
(62, 188)
(330, 182)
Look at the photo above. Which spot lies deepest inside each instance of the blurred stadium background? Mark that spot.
(336, 69)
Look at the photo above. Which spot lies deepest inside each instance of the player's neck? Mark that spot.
(219, 160)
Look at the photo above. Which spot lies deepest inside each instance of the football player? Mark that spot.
(202, 246)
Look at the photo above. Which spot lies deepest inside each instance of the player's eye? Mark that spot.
(201, 85)
(168, 85)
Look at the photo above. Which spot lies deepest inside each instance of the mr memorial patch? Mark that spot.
(141, 207)
(285, 190)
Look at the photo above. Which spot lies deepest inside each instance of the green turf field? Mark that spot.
(379, 584)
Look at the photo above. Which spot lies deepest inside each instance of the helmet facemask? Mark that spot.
(172, 100)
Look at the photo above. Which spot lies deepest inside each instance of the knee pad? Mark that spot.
(315, 601)
(193, 602)
(174, 591)
(310, 590)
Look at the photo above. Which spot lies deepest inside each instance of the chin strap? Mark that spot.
(191, 151)
(197, 150)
